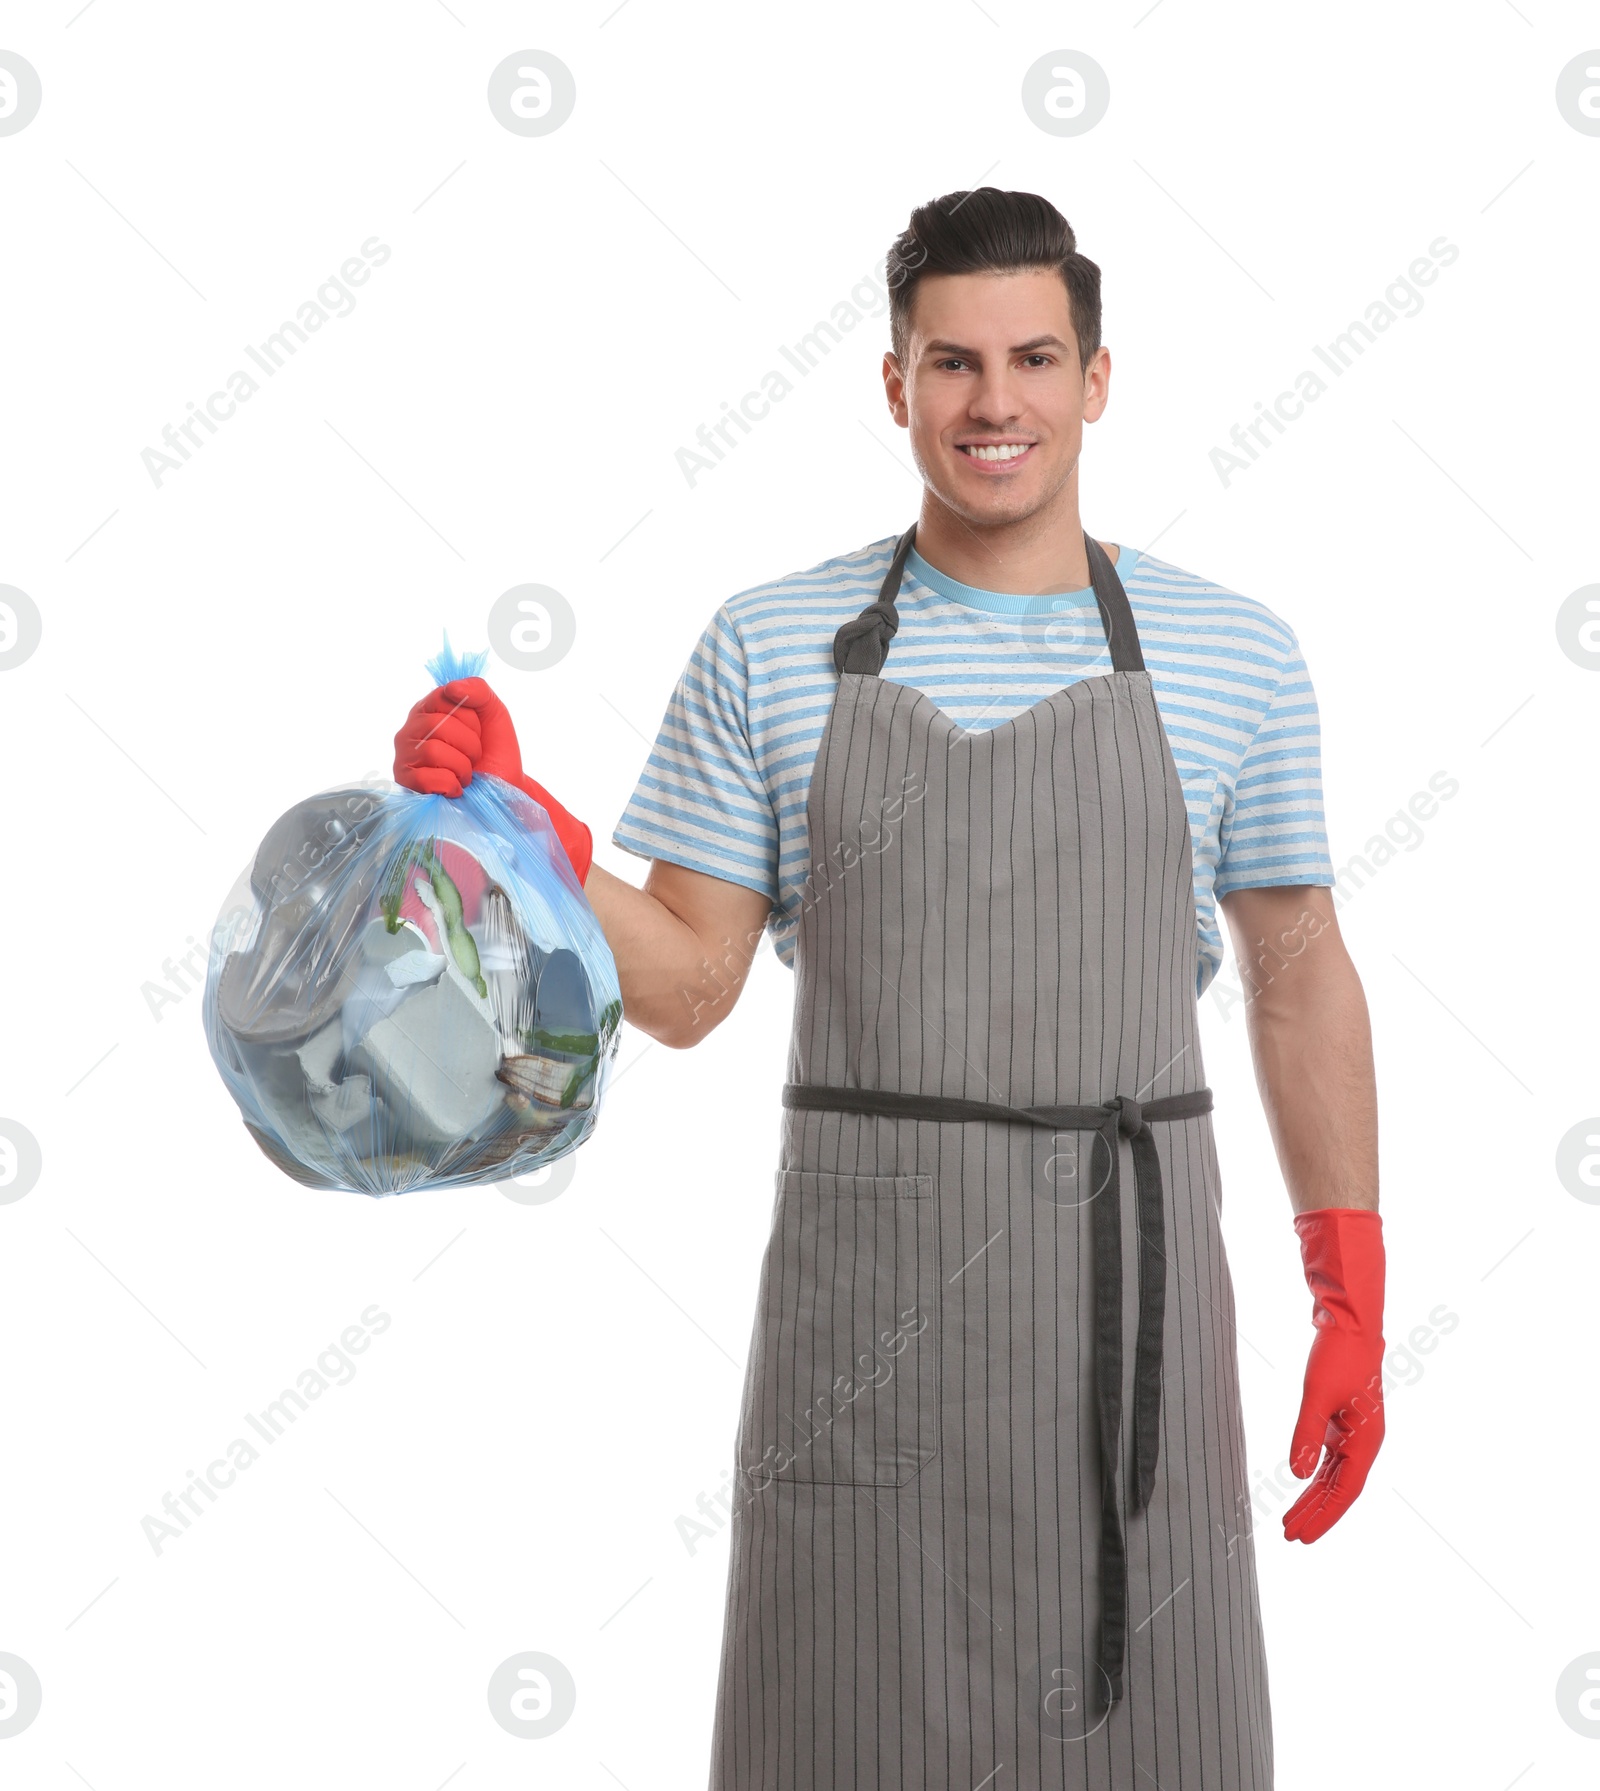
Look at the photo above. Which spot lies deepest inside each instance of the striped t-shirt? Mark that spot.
(724, 790)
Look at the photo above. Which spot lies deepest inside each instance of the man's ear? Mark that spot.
(894, 388)
(1097, 385)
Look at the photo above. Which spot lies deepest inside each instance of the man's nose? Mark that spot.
(996, 399)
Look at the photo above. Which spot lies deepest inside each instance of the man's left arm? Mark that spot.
(1311, 1042)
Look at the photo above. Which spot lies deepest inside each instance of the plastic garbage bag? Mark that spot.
(411, 991)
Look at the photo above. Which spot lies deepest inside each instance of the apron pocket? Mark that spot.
(842, 1388)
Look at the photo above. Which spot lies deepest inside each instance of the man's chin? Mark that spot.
(992, 509)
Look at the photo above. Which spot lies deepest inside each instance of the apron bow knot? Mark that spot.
(862, 644)
(1130, 1115)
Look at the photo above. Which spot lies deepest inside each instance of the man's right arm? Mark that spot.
(683, 945)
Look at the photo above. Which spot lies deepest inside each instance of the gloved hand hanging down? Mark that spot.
(1341, 1411)
(461, 728)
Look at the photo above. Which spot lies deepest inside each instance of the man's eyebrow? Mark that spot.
(938, 346)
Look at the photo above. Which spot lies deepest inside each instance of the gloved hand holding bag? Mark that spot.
(461, 728)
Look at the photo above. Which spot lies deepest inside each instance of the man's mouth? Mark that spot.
(994, 453)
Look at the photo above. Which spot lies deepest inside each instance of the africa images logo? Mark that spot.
(1400, 298)
(332, 1368)
(332, 299)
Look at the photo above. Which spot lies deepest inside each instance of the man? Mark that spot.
(986, 782)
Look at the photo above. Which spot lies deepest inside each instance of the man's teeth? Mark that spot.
(1008, 451)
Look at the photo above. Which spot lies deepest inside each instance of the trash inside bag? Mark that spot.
(411, 991)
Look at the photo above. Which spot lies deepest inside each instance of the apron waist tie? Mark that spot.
(1120, 1117)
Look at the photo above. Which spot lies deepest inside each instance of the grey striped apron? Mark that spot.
(995, 1233)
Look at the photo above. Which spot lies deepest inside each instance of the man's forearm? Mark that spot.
(682, 944)
(1311, 1039)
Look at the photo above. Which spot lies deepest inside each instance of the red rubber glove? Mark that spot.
(461, 728)
(1341, 1411)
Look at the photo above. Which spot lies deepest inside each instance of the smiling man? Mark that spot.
(987, 782)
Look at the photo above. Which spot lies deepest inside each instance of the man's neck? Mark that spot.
(1032, 557)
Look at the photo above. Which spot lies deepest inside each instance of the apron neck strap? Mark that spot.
(862, 644)
(1122, 637)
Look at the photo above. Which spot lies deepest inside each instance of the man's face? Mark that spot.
(992, 391)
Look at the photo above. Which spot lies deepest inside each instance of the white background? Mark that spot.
(507, 1469)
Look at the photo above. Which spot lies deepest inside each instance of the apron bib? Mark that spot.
(953, 1563)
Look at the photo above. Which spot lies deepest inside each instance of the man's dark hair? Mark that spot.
(987, 231)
